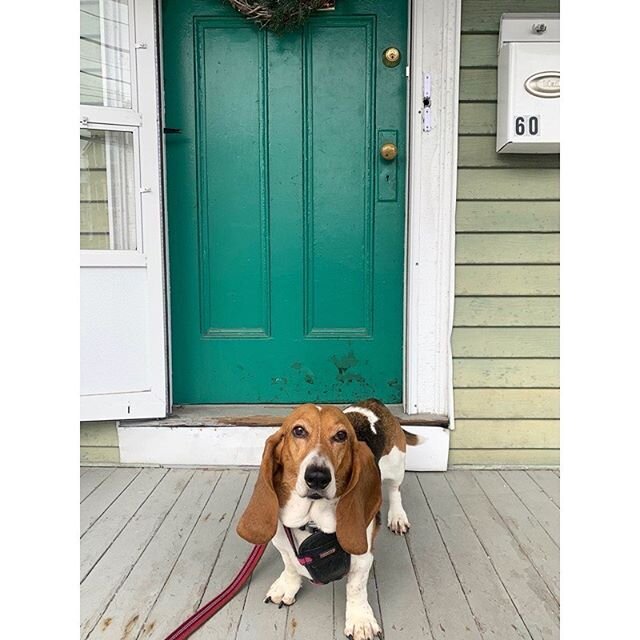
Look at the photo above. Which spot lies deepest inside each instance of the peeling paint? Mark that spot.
(344, 363)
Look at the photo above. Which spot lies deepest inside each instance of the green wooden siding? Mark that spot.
(506, 323)
(512, 216)
(99, 442)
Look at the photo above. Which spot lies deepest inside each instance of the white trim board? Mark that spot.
(431, 202)
(243, 446)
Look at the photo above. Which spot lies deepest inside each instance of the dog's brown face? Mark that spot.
(316, 455)
(316, 452)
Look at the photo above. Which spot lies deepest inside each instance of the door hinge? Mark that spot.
(426, 102)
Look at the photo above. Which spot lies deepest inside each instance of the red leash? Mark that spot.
(210, 609)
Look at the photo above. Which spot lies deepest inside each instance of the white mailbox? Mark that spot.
(529, 83)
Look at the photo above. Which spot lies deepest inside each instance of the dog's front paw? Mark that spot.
(398, 522)
(361, 624)
(283, 591)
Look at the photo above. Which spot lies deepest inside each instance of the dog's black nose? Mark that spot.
(317, 477)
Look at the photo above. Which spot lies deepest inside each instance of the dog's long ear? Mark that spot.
(360, 502)
(259, 521)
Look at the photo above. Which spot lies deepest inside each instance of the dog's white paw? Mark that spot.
(283, 591)
(361, 624)
(398, 522)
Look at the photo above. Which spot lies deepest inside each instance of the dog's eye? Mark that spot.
(299, 432)
(340, 436)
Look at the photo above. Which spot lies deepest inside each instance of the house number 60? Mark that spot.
(527, 125)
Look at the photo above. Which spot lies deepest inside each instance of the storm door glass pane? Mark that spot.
(107, 188)
(105, 60)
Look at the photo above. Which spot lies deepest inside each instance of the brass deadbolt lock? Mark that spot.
(391, 57)
(389, 151)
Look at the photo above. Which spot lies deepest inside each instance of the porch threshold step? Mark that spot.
(234, 435)
(253, 415)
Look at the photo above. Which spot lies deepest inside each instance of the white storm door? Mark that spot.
(123, 368)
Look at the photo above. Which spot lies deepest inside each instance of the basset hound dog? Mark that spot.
(321, 479)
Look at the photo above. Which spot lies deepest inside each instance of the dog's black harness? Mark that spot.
(321, 555)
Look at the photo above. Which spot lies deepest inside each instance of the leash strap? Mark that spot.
(203, 614)
(303, 560)
(292, 541)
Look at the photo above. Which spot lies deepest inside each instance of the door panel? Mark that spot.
(285, 225)
(338, 158)
(232, 175)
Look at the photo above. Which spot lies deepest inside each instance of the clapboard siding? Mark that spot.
(477, 118)
(504, 457)
(523, 404)
(506, 372)
(515, 311)
(506, 434)
(508, 184)
(478, 50)
(512, 280)
(478, 85)
(508, 216)
(506, 335)
(480, 152)
(483, 16)
(506, 342)
(507, 248)
(99, 442)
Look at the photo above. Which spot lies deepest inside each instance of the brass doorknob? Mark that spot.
(391, 57)
(389, 151)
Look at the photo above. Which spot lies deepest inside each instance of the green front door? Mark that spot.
(286, 224)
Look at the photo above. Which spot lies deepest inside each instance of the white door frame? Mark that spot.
(431, 204)
(431, 200)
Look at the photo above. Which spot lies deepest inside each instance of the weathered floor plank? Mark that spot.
(259, 620)
(340, 602)
(442, 594)
(92, 479)
(536, 500)
(548, 482)
(100, 499)
(398, 588)
(535, 603)
(488, 598)
(185, 586)
(98, 538)
(103, 582)
(233, 553)
(311, 616)
(533, 539)
(124, 616)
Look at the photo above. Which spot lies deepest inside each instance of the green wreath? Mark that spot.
(277, 15)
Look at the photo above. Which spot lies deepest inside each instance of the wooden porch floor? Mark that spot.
(481, 560)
